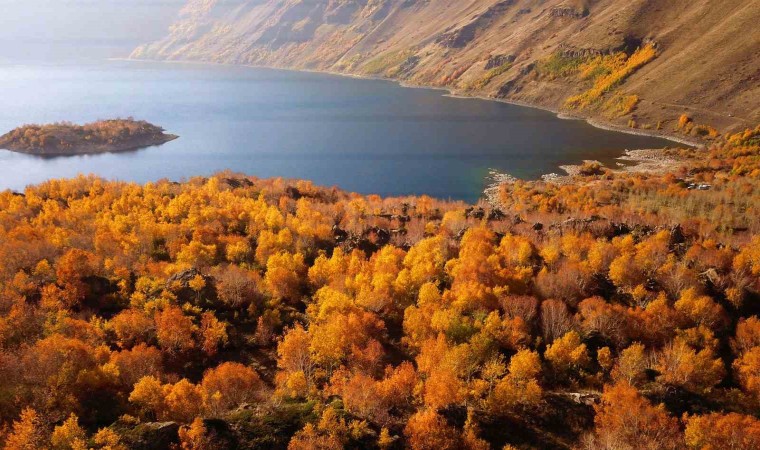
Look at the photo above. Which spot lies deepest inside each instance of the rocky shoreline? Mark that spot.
(97, 149)
(653, 161)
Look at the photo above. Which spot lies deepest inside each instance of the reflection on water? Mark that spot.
(361, 135)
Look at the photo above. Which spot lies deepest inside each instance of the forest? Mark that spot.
(617, 311)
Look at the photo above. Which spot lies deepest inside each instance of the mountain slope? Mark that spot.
(704, 58)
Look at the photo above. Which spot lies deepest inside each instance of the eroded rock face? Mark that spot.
(499, 60)
(461, 37)
(408, 66)
(569, 11)
(573, 52)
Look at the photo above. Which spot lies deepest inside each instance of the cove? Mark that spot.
(367, 136)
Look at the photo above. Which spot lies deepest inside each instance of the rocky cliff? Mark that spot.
(636, 63)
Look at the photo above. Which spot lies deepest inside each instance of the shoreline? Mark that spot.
(97, 150)
(594, 122)
(650, 161)
(495, 178)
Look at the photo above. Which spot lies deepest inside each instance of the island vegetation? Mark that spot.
(619, 311)
(66, 138)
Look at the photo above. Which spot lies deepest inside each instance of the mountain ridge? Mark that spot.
(703, 61)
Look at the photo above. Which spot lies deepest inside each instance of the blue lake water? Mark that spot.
(360, 135)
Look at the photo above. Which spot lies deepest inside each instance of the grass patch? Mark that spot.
(272, 428)
(349, 63)
(620, 105)
(383, 64)
(557, 66)
(490, 75)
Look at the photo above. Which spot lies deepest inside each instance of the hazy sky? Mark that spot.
(48, 28)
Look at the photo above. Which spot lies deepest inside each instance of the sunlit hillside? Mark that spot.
(642, 63)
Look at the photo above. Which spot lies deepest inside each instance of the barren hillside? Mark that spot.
(636, 63)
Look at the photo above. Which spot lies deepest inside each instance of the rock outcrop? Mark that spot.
(569, 11)
(148, 436)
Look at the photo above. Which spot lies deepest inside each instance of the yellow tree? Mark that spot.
(423, 263)
(108, 439)
(295, 363)
(699, 309)
(334, 338)
(568, 355)
(631, 365)
(624, 419)
(520, 385)
(285, 275)
(68, 435)
(213, 333)
(426, 430)
(747, 335)
(418, 318)
(183, 400)
(174, 330)
(715, 431)
(148, 395)
(195, 437)
(330, 432)
(230, 384)
(29, 432)
(681, 365)
(131, 327)
(747, 368)
(138, 362)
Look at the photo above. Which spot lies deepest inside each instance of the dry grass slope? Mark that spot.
(707, 51)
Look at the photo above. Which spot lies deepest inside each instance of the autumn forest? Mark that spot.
(619, 311)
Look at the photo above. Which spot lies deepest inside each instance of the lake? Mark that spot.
(367, 136)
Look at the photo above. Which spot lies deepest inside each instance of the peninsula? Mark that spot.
(103, 136)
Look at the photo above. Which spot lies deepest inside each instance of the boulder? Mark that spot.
(496, 214)
(378, 236)
(474, 213)
(676, 235)
(339, 235)
(179, 283)
(569, 11)
(149, 436)
(498, 60)
(293, 192)
(235, 183)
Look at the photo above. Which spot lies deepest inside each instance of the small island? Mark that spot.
(103, 136)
